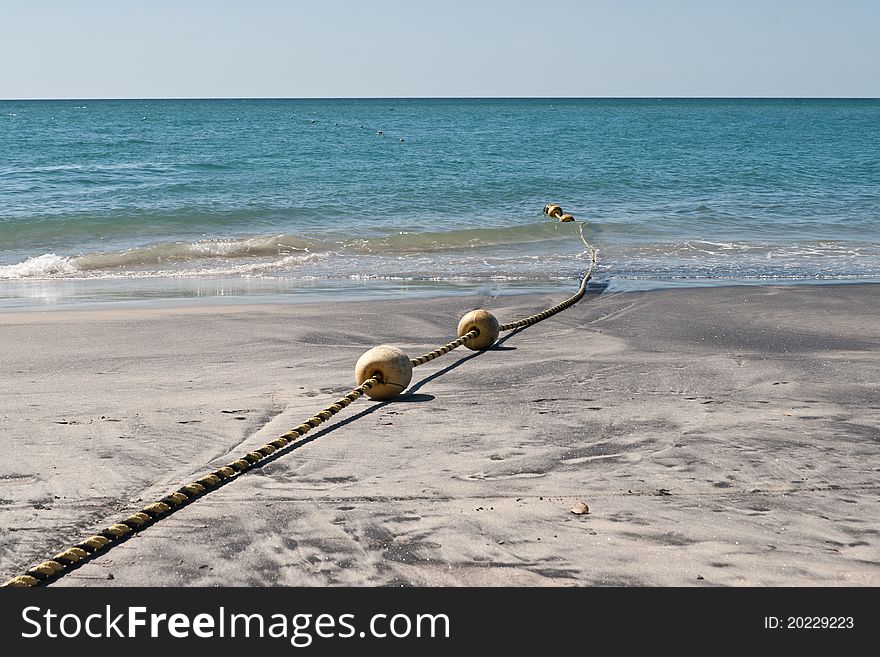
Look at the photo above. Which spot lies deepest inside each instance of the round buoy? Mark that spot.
(566, 217)
(553, 210)
(388, 364)
(485, 323)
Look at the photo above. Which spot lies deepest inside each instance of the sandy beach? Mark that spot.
(719, 436)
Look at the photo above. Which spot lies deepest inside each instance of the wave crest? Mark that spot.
(147, 261)
(42, 266)
(172, 258)
(154, 254)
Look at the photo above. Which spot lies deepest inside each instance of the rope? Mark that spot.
(528, 321)
(445, 349)
(65, 561)
(573, 299)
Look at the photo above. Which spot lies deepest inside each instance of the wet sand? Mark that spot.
(725, 436)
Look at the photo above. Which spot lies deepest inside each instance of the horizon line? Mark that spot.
(100, 98)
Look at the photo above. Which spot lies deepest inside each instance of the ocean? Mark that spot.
(129, 200)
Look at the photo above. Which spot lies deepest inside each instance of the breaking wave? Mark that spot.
(268, 253)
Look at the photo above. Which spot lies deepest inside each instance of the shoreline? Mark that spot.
(720, 436)
(228, 292)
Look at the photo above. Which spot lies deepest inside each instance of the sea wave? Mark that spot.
(43, 266)
(405, 242)
(546, 251)
(147, 260)
(163, 252)
(286, 264)
(240, 252)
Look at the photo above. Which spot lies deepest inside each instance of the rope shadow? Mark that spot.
(461, 361)
(269, 459)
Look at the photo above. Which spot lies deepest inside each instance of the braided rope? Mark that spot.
(63, 562)
(445, 349)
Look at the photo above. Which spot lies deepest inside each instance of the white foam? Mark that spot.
(50, 265)
(43, 266)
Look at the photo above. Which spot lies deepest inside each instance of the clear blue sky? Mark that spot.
(331, 48)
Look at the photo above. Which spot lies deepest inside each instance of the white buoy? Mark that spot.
(388, 364)
(485, 323)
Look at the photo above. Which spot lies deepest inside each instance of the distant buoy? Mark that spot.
(379, 132)
(402, 140)
(486, 325)
(566, 217)
(388, 364)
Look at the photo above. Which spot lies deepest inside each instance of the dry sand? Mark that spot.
(721, 436)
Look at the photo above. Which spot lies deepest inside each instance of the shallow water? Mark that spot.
(190, 198)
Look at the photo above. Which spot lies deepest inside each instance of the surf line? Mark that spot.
(381, 373)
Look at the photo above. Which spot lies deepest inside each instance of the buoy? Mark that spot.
(553, 210)
(388, 364)
(566, 217)
(485, 323)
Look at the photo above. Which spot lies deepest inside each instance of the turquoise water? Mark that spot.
(106, 200)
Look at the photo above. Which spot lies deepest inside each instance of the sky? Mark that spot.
(438, 48)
